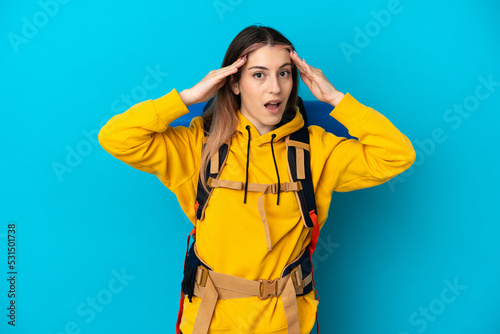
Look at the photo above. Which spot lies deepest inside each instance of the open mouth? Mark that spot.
(273, 107)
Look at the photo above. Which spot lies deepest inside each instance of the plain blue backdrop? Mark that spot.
(100, 245)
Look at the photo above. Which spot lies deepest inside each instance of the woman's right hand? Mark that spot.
(210, 84)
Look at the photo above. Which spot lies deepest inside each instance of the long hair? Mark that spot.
(220, 117)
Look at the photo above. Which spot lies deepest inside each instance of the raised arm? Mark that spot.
(380, 153)
(143, 138)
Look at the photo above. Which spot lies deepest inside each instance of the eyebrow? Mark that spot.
(266, 69)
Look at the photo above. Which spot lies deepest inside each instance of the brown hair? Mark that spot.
(220, 117)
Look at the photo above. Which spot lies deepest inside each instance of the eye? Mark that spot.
(259, 75)
(284, 74)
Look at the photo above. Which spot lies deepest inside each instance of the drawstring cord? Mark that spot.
(276, 166)
(248, 160)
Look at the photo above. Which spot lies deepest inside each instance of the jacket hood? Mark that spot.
(289, 124)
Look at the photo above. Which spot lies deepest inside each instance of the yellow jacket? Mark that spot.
(231, 237)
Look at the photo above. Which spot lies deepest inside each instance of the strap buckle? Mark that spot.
(268, 288)
(201, 276)
(299, 186)
(296, 277)
(209, 182)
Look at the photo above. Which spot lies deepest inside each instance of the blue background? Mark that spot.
(387, 254)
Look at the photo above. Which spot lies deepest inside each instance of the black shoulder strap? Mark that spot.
(306, 195)
(202, 195)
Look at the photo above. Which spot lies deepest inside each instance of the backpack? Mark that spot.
(298, 156)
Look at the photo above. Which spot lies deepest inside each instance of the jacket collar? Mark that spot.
(283, 130)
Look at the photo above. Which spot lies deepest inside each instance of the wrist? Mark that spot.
(337, 98)
(186, 97)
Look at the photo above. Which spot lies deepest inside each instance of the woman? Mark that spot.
(250, 234)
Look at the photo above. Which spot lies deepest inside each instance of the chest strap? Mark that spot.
(211, 286)
(258, 187)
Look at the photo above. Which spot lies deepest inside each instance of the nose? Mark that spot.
(273, 85)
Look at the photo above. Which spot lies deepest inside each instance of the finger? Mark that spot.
(307, 67)
(306, 79)
(220, 84)
(219, 76)
(300, 63)
(313, 73)
(293, 55)
(239, 62)
(233, 68)
(295, 58)
(228, 70)
(301, 68)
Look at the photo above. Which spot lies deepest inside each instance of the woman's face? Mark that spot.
(264, 87)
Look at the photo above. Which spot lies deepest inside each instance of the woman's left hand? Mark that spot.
(318, 84)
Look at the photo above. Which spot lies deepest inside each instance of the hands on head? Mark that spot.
(316, 81)
(211, 83)
(313, 77)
